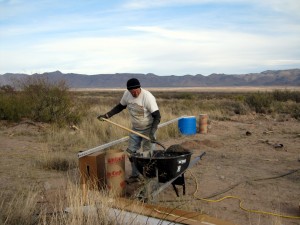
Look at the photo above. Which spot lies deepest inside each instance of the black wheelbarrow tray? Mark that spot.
(165, 165)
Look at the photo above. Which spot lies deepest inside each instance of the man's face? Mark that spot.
(135, 92)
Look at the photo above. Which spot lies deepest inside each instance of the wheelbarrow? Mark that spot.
(165, 165)
(164, 168)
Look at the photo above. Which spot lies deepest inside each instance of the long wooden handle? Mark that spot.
(125, 128)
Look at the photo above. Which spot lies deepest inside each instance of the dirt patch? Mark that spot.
(255, 160)
(20, 149)
(196, 144)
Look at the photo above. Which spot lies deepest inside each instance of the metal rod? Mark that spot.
(170, 121)
(101, 147)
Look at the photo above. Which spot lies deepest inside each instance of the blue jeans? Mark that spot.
(135, 143)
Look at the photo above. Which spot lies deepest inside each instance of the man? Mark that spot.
(144, 115)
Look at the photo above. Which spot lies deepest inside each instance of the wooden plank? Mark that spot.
(169, 214)
(130, 211)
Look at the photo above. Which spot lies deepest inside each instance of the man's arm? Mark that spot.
(118, 108)
(156, 120)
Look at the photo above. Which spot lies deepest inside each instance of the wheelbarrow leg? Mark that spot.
(175, 189)
(179, 181)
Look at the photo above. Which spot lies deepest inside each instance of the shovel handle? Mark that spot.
(125, 128)
(134, 132)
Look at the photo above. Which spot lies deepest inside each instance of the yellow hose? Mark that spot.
(240, 201)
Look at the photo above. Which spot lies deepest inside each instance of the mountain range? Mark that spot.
(290, 77)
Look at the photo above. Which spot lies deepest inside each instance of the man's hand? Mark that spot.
(100, 117)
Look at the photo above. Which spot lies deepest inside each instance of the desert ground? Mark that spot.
(254, 158)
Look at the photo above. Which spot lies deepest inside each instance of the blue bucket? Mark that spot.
(187, 125)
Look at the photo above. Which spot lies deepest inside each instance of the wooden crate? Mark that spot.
(92, 170)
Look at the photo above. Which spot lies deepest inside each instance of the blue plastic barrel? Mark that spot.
(187, 125)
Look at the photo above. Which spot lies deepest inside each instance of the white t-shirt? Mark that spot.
(140, 108)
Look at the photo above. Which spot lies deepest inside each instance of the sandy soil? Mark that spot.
(257, 160)
(254, 158)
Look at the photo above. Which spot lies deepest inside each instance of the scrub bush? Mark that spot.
(260, 102)
(12, 104)
(40, 100)
(286, 95)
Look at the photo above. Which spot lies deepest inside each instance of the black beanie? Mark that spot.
(133, 83)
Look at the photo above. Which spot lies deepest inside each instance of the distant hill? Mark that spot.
(289, 77)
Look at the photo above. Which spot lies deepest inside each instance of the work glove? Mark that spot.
(151, 136)
(100, 117)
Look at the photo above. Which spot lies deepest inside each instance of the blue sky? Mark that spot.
(165, 37)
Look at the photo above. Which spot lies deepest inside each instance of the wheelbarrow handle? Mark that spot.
(156, 142)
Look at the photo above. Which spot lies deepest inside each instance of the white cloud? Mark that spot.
(120, 41)
(144, 4)
(158, 50)
(287, 6)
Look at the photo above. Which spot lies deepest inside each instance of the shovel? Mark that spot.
(134, 132)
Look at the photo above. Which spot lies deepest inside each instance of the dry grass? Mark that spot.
(73, 199)
(65, 207)
(233, 89)
(19, 208)
(63, 144)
